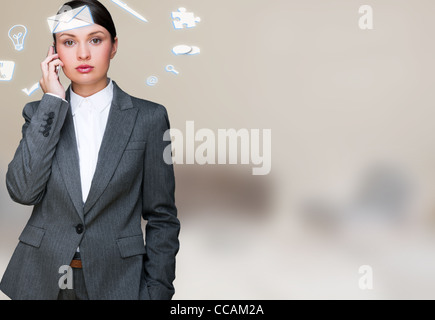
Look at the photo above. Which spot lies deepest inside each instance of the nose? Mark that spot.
(83, 52)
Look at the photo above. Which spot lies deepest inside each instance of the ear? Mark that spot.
(114, 48)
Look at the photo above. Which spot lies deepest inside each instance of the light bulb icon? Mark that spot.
(18, 34)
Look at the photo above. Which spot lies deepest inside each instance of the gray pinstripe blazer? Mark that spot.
(131, 181)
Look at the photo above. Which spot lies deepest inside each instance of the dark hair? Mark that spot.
(99, 13)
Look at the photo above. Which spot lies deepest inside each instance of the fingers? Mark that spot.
(52, 57)
(45, 64)
(50, 79)
(49, 69)
(50, 51)
(52, 66)
(48, 66)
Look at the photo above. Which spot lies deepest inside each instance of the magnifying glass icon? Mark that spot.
(171, 68)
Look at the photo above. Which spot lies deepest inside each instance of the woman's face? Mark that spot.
(86, 53)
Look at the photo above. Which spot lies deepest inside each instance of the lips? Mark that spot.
(84, 68)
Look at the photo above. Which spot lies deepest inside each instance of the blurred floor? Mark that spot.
(233, 259)
(222, 258)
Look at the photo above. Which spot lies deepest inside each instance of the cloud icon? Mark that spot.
(186, 50)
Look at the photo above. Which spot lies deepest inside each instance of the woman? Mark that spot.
(91, 163)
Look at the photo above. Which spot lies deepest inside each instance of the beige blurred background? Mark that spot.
(353, 140)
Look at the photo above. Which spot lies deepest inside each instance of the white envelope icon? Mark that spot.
(71, 19)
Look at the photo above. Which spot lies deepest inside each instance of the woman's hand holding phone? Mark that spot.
(50, 79)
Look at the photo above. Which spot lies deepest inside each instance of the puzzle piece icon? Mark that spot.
(184, 19)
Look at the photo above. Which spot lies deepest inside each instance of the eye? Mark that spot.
(69, 43)
(96, 41)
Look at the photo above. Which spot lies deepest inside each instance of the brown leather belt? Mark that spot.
(76, 261)
(77, 264)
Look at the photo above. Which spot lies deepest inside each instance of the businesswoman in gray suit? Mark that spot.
(91, 163)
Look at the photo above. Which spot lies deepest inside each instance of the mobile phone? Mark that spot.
(58, 67)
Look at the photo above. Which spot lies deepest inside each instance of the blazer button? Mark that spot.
(80, 228)
(51, 115)
(46, 134)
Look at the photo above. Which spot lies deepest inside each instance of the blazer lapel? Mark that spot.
(68, 161)
(122, 118)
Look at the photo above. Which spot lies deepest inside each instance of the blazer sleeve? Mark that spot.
(159, 210)
(30, 168)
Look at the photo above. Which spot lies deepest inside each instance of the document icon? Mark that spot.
(71, 19)
(6, 70)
